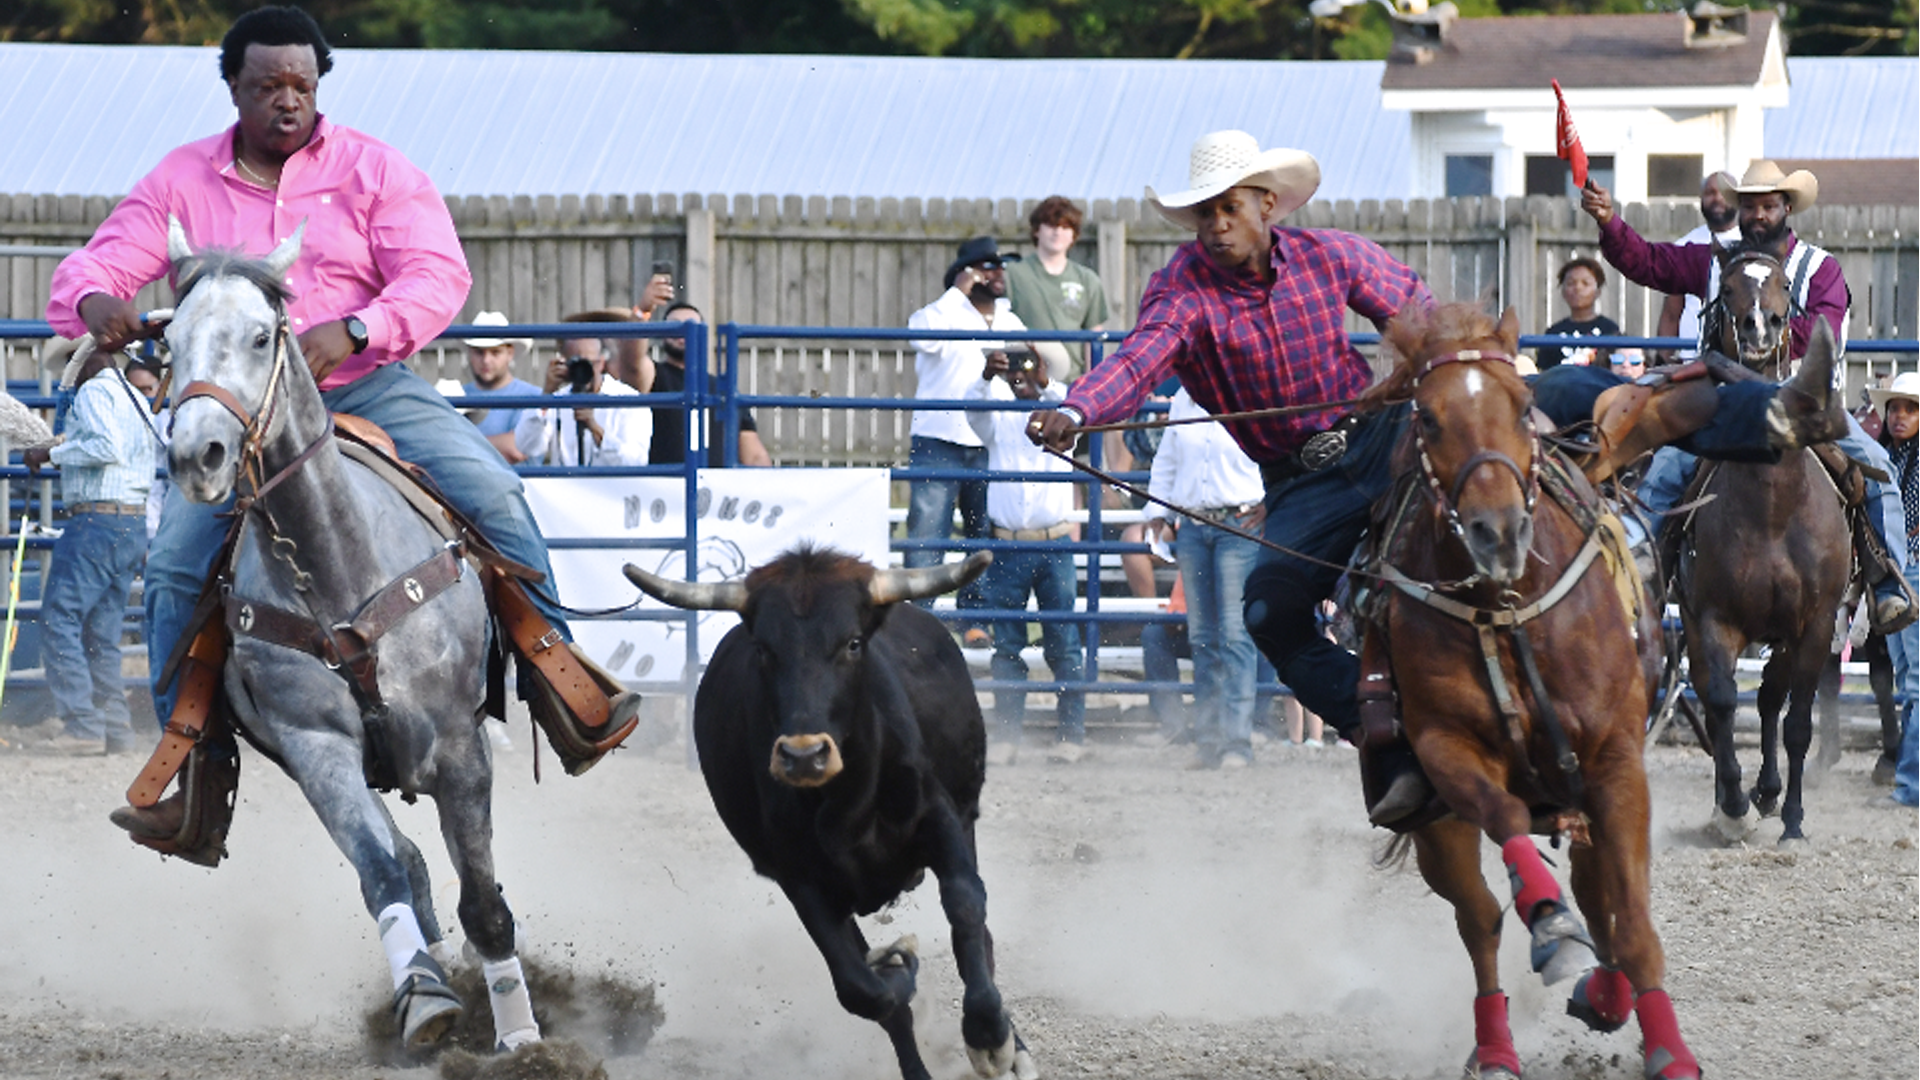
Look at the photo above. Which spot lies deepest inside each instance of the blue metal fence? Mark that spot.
(704, 393)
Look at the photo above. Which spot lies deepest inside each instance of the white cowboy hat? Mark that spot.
(1905, 385)
(1800, 187)
(70, 355)
(1224, 159)
(494, 318)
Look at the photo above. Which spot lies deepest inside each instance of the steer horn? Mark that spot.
(690, 595)
(892, 586)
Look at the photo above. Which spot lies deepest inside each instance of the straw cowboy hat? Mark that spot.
(1905, 385)
(1224, 159)
(494, 318)
(1799, 186)
(68, 356)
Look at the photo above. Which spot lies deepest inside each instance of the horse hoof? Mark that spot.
(993, 1062)
(427, 1012)
(1602, 999)
(1491, 1072)
(514, 1040)
(1729, 830)
(1561, 948)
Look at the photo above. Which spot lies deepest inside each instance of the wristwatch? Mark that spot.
(357, 330)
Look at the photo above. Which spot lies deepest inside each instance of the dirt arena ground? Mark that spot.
(1151, 922)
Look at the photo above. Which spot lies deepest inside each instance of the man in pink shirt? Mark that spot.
(380, 274)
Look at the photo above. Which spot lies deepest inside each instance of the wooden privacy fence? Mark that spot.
(872, 262)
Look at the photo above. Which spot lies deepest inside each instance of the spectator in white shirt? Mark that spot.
(1200, 467)
(975, 299)
(602, 436)
(1720, 206)
(1031, 512)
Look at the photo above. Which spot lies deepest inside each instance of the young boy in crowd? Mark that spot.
(1031, 511)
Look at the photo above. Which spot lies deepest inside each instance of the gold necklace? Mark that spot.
(253, 176)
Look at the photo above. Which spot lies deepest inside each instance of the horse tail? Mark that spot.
(1393, 855)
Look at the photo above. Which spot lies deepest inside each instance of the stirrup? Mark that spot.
(579, 744)
(208, 786)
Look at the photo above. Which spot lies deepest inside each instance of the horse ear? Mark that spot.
(177, 248)
(283, 256)
(1509, 331)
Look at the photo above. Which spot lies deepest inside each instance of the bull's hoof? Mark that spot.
(904, 952)
(1727, 830)
(1023, 1066)
(994, 1062)
(425, 1006)
(1561, 948)
(1764, 803)
(1475, 1071)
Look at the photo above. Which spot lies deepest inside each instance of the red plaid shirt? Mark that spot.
(1238, 347)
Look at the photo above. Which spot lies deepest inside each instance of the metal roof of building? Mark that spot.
(531, 123)
(91, 119)
(1840, 107)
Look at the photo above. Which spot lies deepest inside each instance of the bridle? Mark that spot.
(1720, 330)
(1448, 498)
(248, 487)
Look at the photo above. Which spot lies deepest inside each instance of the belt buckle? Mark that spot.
(1323, 449)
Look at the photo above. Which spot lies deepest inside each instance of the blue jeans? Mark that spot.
(82, 613)
(931, 504)
(1048, 577)
(1214, 565)
(1162, 644)
(427, 432)
(1905, 648)
(1672, 469)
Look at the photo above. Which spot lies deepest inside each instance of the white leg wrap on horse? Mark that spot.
(400, 936)
(513, 1023)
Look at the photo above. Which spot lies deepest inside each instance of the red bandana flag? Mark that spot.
(1566, 141)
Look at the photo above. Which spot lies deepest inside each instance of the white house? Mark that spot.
(1659, 100)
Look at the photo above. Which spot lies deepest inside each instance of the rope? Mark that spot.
(1254, 414)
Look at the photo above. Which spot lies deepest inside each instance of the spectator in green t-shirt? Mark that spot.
(1051, 291)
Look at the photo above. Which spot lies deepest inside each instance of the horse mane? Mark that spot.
(219, 262)
(807, 571)
(1415, 336)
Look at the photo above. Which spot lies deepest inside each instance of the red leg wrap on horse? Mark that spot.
(1527, 872)
(1609, 993)
(1667, 1055)
(1493, 1041)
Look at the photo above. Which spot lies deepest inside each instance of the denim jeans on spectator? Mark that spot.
(1214, 564)
(1906, 683)
(82, 615)
(1048, 576)
(1162, 644)
(930, 506)
(427, 432)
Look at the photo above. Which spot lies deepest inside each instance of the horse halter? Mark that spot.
(1718, 320)
(1449, 498)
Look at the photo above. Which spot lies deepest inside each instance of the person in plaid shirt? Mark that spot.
(1251, 315)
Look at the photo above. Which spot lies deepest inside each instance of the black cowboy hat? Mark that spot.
(977, 250)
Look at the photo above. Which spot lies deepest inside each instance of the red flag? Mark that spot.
(1566, 141)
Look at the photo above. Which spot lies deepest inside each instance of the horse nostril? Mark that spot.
(212, 456)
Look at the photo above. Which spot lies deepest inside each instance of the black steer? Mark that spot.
(843, 746)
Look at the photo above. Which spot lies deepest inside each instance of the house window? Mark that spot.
(1548, 175)
(1675, 175)
(1469, 174)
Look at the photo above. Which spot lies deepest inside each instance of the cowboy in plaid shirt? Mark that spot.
(1252, 316)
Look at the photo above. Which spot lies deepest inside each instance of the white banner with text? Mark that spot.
(747, 517)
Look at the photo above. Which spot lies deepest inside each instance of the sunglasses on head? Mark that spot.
(990, 264)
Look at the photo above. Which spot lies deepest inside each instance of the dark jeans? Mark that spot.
(1048, 576)
(931, 504)
(82, 613)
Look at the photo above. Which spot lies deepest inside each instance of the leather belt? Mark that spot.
(106, 508)
(1051, 532)
(1322, 450)
(1222, 513)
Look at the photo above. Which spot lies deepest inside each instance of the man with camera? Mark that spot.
(603, 436)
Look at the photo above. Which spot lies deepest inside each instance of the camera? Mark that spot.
(579, 373)
(663, 268)
(1021, 360)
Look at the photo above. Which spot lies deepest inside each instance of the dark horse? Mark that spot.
(340, 563)
(1508, 620)
(1767, 560)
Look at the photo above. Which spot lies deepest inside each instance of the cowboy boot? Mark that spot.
(1395, 788)
(1635, 420)
(1805, 410)
(582, 707)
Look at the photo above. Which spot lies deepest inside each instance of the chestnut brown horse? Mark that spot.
(1519, 683)
(1767, 560)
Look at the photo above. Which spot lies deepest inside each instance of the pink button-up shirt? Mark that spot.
(379, 242)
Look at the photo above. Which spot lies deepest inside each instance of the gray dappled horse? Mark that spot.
(1767, 560)
(322, 538)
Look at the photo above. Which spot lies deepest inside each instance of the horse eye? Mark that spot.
(1429, 423)
(260, 340)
